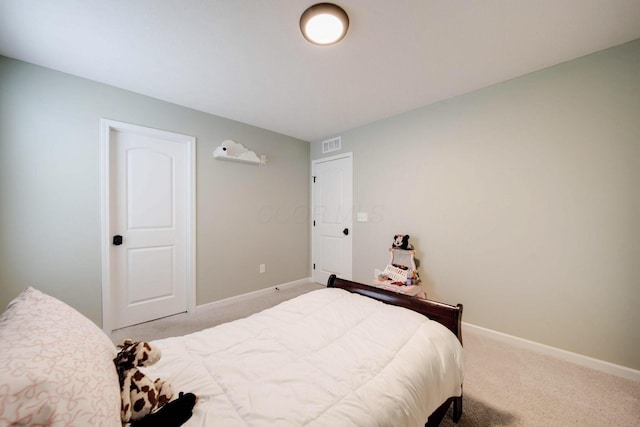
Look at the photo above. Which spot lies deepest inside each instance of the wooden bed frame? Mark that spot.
(448, 315)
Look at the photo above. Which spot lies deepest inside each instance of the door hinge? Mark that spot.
(314, 179)
(314, 266)
(314, 223)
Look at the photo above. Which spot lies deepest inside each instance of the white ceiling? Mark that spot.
(246, 59)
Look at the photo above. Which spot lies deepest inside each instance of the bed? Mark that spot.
(348, 355)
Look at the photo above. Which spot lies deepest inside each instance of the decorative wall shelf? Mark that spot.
(233, 151)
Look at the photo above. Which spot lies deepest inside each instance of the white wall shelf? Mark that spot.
(232, 151)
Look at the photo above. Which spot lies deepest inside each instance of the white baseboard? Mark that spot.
(250, 295)
(578, 359)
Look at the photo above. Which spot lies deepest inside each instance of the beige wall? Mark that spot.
(523, 201)
(50, 191)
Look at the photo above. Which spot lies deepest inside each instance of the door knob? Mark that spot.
(117, 240)
(345, 231)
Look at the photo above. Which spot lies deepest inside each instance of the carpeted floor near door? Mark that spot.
(507, 385)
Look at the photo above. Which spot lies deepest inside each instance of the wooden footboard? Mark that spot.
(448, 315)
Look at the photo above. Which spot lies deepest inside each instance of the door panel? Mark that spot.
(149, 209)
(331, 254)
(150, 275)
(332, 214)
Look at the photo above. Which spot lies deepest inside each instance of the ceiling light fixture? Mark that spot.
(324, 24)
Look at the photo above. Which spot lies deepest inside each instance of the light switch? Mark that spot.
(362, 217)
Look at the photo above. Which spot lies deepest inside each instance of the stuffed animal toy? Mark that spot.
(173, 414)
(401, 241)
(139, 394)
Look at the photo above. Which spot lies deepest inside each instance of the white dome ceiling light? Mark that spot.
(324, 24)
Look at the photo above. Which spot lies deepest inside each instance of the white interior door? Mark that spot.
(149, 226)
(332, 218)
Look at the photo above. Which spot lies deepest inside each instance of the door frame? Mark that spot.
(107, 126)
(348, 155)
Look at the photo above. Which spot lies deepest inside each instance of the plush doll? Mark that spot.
(401, 241)
(173, 414)
(139, 394)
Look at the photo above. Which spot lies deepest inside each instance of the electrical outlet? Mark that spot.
(263, 268)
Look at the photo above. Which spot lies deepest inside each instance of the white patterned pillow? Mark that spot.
(56, 366)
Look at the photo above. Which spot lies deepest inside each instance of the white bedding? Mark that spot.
(326, 358)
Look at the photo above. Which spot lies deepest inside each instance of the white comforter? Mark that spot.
(326, 358)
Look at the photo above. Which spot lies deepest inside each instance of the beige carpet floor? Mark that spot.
(504, 385)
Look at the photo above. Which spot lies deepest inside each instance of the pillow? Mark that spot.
(56, 366)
